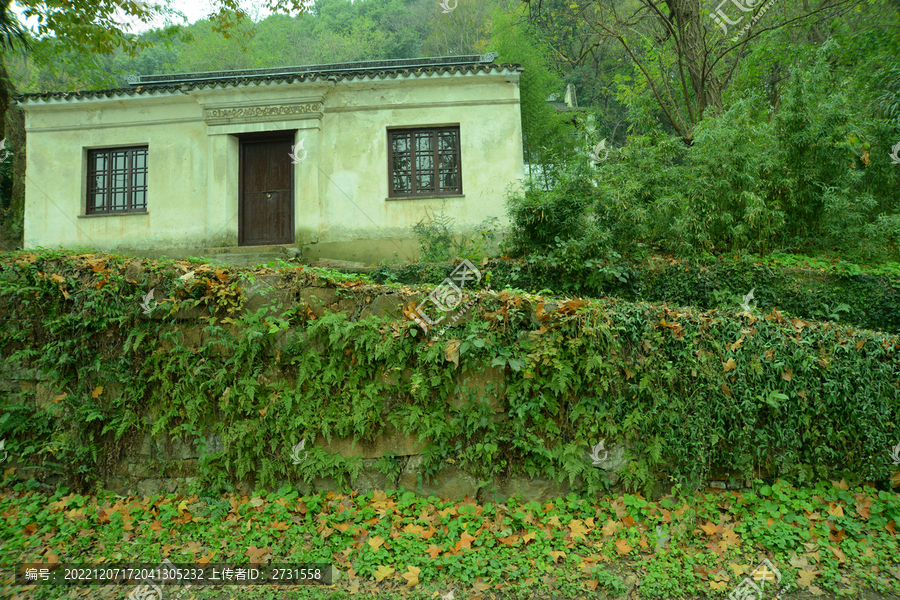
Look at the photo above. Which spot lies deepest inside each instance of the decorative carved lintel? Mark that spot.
(255, 112)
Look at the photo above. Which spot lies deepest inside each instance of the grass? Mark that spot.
(822, 539)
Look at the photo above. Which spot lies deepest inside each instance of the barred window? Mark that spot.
(117, 180)
(425, 162)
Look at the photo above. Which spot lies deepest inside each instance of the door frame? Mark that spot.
(264, 136)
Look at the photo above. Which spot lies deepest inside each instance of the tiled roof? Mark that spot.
(143, 85)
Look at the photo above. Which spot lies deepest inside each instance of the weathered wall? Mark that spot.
(340, 187)
(677, 395)
(162, 464)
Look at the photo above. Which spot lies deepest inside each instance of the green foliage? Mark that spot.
(439, 242)
(809, 288)
(436, 237)
(755, 180)
(517, 550)
(816, 396)
(547, 136)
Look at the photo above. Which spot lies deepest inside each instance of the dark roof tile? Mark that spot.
(185, 82)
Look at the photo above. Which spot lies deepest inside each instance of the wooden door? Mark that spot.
(266, 206)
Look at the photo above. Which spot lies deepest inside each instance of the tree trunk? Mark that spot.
(689, 22)
(12, 126)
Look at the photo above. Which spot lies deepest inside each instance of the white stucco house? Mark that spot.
(350, 156)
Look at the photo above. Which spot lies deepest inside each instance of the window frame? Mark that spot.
(107, 190)
(434, 130)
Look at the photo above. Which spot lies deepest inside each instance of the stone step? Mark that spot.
(247, 259)
(233, 252)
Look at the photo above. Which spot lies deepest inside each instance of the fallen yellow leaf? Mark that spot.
(412, 576)
(381, 572)
(804, 578)
(375, 542)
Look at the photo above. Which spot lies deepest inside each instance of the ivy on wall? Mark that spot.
(806, 288)
(685, 392)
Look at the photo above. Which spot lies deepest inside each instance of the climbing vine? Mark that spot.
(683, 393)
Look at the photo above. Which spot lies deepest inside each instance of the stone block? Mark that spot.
(151, 487)
(182, 468)
(182, 450)
(119, 485)
(147, 447)
(388, 306)
(390, 441)
(134, 272)
(614, 460)
(280, 341)
(370, 478)
(318, 299)
(264, 293)
(451, 483)
(538, 489)
(214, 444)
(385, 306)
(327, 484)
(303, 488)
(143, 469)
(8, 385)
(43, 396)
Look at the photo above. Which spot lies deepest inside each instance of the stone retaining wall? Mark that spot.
(151, 466)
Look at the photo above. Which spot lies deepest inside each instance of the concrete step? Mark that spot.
(233, 252)
(247, 259)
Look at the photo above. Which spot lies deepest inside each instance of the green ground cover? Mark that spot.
(824, 539)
